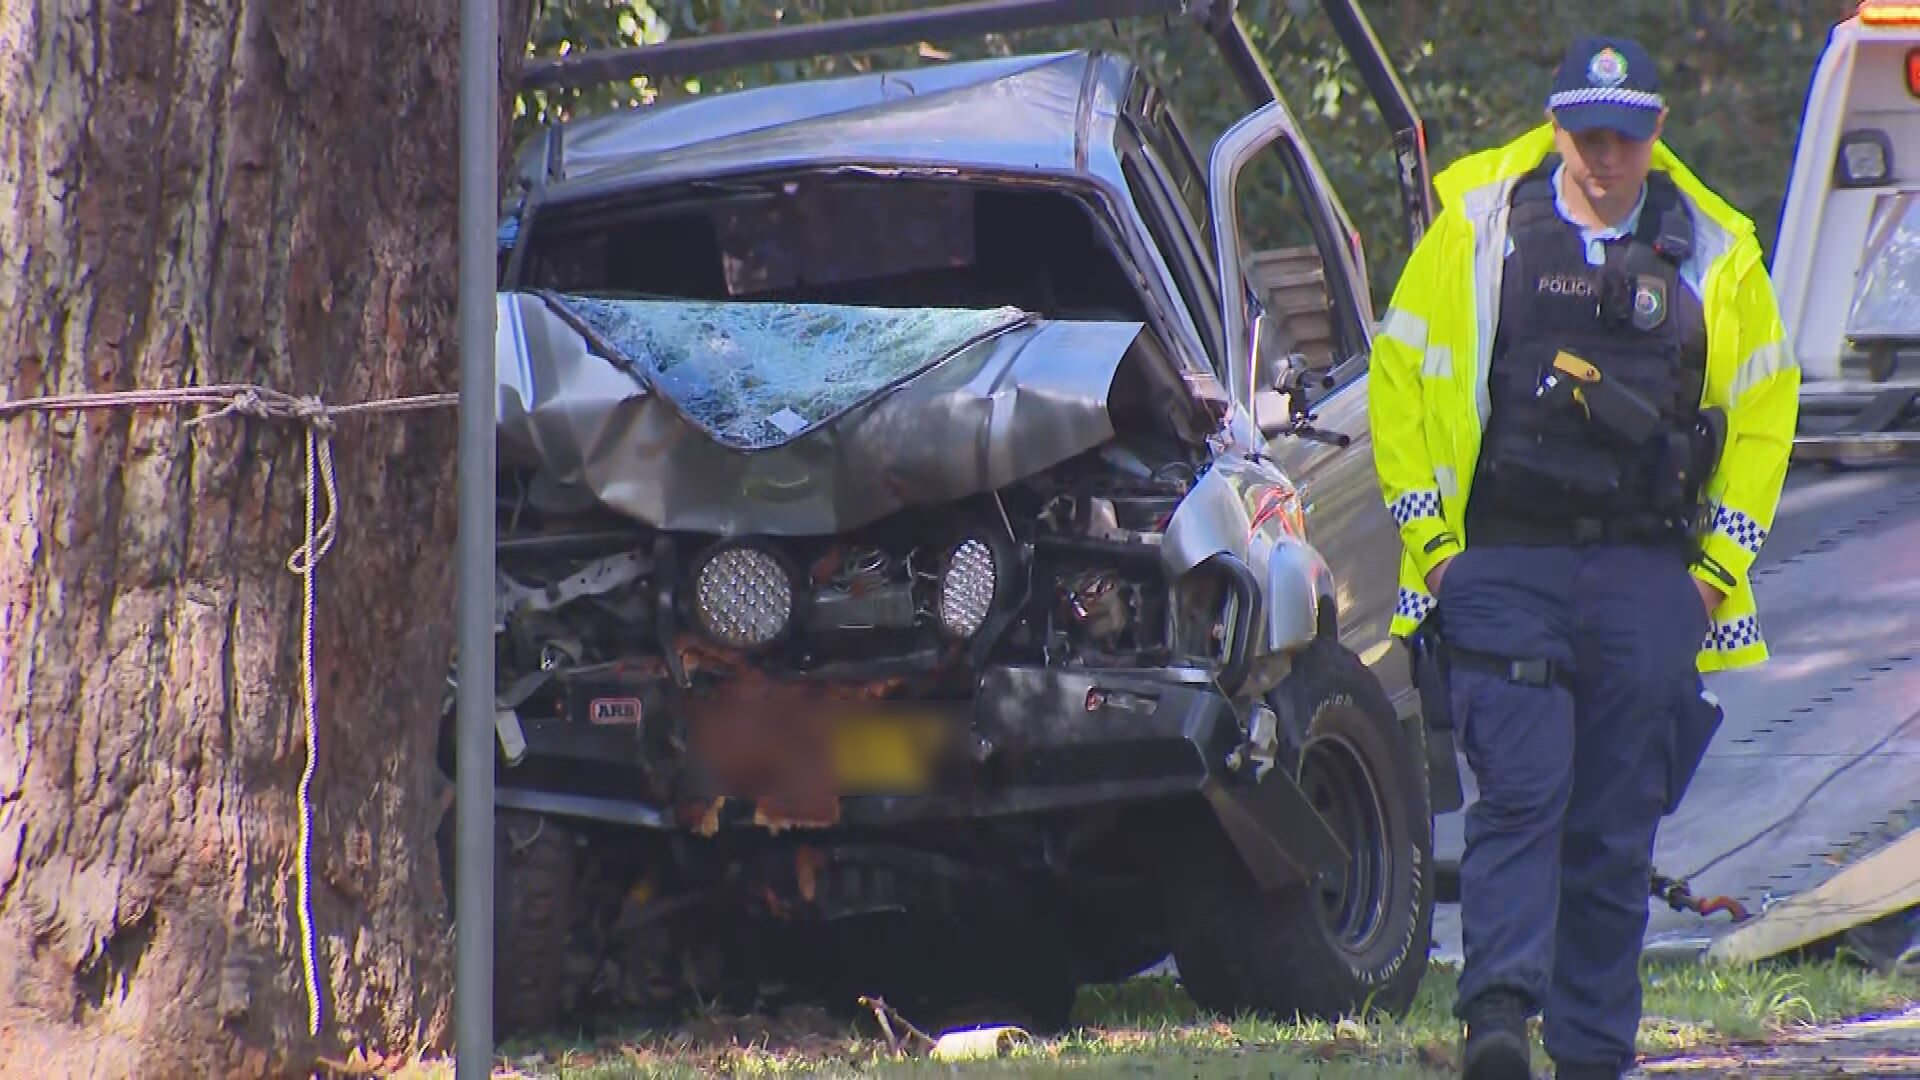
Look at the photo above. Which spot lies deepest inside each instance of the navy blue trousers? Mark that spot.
(1573, 778)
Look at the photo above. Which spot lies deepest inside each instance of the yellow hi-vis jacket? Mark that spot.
(1428, 394)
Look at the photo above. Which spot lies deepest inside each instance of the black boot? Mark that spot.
(1496, 1044)
(1587, 1072)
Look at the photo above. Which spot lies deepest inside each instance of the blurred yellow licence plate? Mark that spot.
(887, 753)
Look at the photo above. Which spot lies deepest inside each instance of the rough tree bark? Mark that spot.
(196, 192)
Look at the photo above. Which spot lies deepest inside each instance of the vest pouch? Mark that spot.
(1536, 477)
(1620, 415)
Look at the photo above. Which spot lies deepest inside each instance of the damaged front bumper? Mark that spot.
(1033, 740)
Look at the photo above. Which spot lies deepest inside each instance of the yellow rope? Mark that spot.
(302, 562)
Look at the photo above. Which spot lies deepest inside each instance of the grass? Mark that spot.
(1149, 1028)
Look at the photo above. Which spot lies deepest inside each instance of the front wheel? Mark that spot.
(1349, 938)
(536, 868)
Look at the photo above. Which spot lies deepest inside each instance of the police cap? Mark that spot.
(1607, 82)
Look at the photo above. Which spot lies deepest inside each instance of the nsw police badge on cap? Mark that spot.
(1607, 68)
(1649, 302)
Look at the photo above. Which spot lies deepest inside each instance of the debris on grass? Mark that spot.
(972, 1044)
(902, 1037)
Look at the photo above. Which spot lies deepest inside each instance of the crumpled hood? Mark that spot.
(794, 419)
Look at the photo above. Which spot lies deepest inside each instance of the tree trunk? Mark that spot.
(198, 193)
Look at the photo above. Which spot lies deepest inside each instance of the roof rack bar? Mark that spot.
(1223, 23)
(694, 55)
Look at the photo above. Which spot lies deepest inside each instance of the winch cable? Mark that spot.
(1787, 818)
(1676, 892)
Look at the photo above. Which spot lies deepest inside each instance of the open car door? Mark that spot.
(1304, 376)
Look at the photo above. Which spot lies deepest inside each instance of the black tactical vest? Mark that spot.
(1595, 432)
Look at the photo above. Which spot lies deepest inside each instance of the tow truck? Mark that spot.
(1847, 268)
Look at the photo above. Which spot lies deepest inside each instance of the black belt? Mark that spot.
(1535, 672)
(1498, 529)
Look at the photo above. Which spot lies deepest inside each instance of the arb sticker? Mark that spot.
(615, 710)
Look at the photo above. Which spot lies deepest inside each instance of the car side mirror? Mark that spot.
(1285, 407)
(1274, 411)
(1283, 397)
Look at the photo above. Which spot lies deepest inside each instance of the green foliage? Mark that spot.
(563, 27)
(1735, 72)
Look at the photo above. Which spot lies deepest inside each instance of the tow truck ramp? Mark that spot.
(1859, 422)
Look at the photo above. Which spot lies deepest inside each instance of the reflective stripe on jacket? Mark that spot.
(1428, 391)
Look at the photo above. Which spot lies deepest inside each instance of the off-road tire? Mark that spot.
(535, 865)
(1240, 949)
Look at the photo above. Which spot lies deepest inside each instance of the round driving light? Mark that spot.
(966, 588)
(743, 597)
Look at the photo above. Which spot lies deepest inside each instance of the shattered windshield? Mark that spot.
(759, 374)
(1886, 299)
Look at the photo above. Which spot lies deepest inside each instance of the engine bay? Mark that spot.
(631, 646)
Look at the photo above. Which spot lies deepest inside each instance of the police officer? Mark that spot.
(1582, 406)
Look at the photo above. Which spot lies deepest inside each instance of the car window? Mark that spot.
(1285, 261)
(1886, 295)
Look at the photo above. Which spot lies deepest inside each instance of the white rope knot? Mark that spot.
(248, 402)
(314, 413)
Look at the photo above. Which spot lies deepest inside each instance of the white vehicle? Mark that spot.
(1847, 267)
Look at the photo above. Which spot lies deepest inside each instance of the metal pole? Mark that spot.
(798, 41)
(473, 782)
(1229, 31)
(1396, 108)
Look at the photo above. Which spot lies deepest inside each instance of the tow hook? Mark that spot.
(1262, 744)
(1680, 898)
